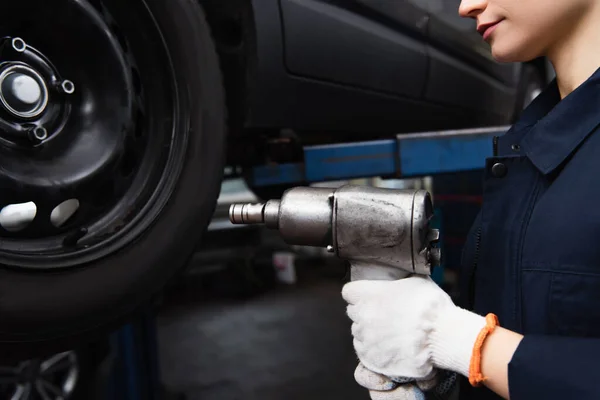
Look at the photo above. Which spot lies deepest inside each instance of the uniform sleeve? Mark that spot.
(548, 367)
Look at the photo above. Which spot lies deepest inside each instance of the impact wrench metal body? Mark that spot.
(383, 233)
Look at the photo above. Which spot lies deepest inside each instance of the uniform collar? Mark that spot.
(555, 128)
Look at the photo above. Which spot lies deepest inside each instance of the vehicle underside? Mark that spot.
(274, 108)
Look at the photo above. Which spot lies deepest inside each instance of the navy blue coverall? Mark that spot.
(533, 254)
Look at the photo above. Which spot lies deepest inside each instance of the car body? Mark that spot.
(330, 71)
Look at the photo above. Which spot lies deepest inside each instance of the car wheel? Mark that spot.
(68, 375)
(54, 378)
(112, 136)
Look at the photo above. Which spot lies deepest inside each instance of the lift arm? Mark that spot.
(405, 156)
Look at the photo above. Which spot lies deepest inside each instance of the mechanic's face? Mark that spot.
(525, 29)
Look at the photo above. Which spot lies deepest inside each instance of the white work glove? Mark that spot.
(381, 387)
(408, 327)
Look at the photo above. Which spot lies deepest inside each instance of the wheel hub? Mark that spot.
(34, 101)
(23, 91)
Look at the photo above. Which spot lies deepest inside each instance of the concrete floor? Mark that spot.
(288, 343)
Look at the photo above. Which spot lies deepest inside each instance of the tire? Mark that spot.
(51, 309)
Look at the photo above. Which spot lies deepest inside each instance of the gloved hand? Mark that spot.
(441, 384)
(408, 327)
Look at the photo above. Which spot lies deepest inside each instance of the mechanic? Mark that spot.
(528, 322)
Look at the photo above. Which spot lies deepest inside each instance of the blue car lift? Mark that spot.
(405, 156)
(135, 367)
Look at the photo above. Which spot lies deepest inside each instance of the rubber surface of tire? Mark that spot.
(58, 309)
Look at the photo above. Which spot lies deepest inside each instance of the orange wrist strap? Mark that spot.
(475, 375)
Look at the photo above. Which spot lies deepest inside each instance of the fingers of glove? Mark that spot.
(359, 348)
(404, 392)
(425, 384)
(352, 312)
(372, 380)
(357, 332)
(429, 382)
(354, 292)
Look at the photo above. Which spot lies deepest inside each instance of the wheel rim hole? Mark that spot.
(63, 212)
(19, 44)
(68, 87)
(40, 133)
(17, 217)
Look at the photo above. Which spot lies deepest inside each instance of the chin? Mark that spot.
(511, 54)
(504, 51)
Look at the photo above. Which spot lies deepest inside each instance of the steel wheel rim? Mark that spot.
(54, 378)
(139, 190)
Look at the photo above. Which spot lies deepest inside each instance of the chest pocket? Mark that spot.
(575, 302)
(560, 280)
(561, 275)
(564, 303)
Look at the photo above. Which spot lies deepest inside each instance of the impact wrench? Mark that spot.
(383, 233)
